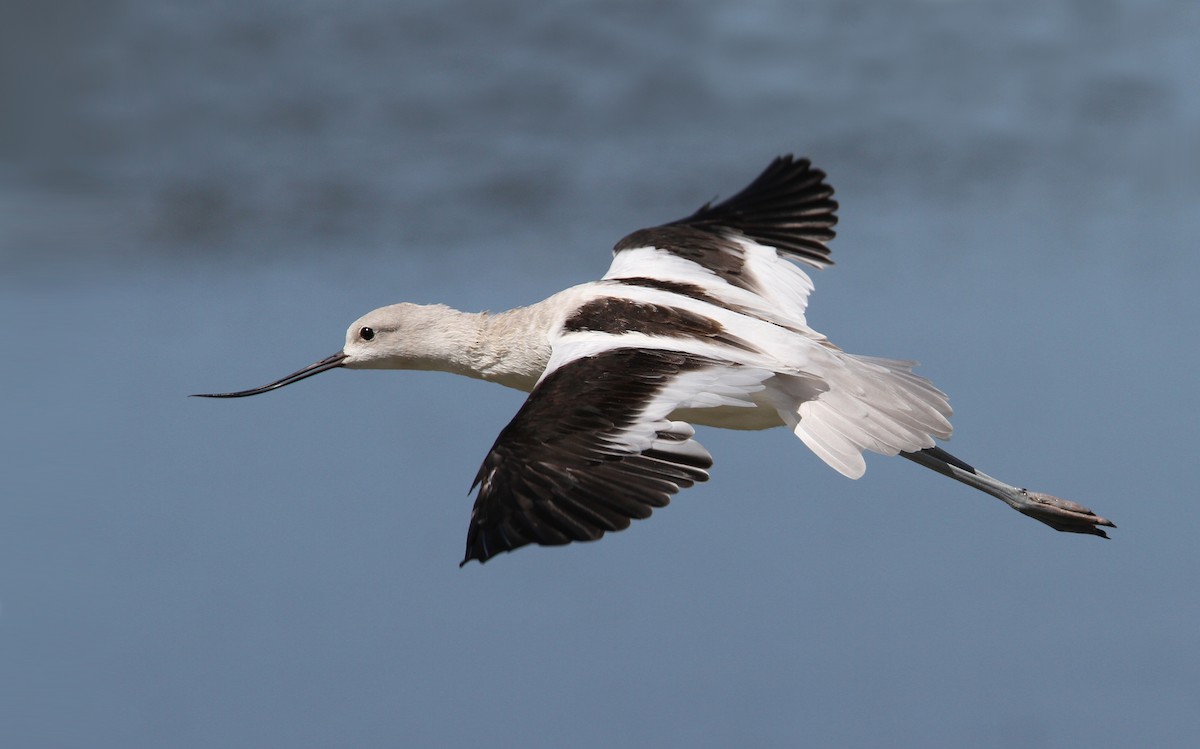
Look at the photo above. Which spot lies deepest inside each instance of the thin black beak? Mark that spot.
(332, 362)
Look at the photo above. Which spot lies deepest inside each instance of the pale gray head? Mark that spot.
(399, 336)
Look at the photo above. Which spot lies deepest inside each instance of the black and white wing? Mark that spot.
(738, 252)
(593, 449)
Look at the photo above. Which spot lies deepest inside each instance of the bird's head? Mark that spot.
(399, 336)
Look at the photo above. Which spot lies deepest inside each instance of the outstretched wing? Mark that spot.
(593, 448)
(738, 249)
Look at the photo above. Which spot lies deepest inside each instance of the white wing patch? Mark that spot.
(781, 288)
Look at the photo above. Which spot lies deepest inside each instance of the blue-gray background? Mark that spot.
(199, 197)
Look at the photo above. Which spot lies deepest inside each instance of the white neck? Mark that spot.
(512, 348)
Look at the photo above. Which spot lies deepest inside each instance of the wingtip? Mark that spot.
(478, 555)
(469, 555)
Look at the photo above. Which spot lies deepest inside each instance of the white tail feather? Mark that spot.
(868, 404)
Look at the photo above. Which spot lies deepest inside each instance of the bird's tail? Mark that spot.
(858, 403)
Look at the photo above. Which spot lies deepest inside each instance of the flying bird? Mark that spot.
(700, 321)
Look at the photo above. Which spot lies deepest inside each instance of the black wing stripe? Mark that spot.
(559, 472)
(689, 290)
(618, 315)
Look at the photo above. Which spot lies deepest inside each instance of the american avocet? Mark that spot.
(699, 321)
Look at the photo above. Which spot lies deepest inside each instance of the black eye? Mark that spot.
(366, 334)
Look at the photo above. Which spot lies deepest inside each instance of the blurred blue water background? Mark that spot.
(199, 197)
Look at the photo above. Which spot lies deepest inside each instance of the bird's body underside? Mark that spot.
(697, 322)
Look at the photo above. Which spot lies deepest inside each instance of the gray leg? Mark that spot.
(1059, 514)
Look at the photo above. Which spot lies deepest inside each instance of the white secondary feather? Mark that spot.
(785, 287)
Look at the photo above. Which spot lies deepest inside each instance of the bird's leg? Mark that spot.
(1059, 514)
